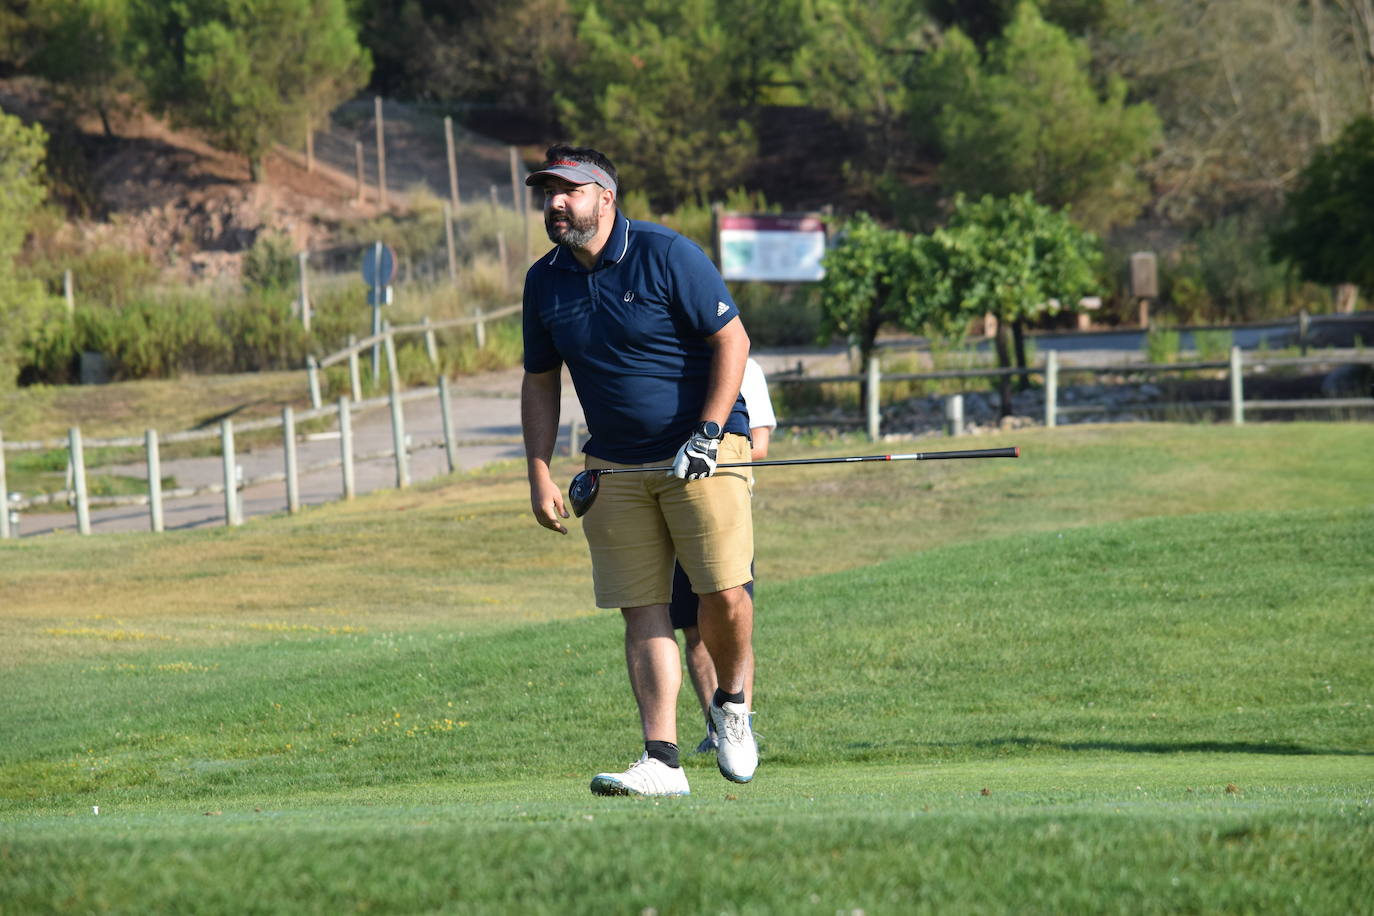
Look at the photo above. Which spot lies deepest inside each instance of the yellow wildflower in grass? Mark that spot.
(283, 627)
(107, 635)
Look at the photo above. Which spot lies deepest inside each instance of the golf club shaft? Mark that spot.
(1012, 452)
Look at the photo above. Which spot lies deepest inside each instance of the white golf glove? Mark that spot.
(697, 457)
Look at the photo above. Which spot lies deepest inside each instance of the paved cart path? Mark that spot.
(485, 407)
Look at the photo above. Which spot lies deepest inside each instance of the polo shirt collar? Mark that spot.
(616, 247)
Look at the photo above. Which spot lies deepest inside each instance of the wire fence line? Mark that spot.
(418, 148)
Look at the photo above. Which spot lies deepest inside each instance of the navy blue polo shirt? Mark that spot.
(633, 334)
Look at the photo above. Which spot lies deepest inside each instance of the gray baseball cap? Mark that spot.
(571, 170)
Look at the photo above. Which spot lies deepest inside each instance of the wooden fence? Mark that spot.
(874, 378)
(386, 337)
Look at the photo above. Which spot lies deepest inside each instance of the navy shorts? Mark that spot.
(683, 608)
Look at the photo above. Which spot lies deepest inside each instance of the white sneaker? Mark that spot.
(646, 776)
(708, 744)
(737, 756)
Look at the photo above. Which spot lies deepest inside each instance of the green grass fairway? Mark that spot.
(1130, 672)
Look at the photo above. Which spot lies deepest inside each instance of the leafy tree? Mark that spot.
(1328, 224)
(876, 276)
(24, 306)
(658, 92)
(857, 63)
(15, 28)
(1246, 91)
(501, 53)
(984, 20)
(1013, 258)
(1027, 116)
(250, 72)
(79, 46)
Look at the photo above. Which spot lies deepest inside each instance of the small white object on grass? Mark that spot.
(95, 809)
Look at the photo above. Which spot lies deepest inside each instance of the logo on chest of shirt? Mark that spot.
(629, 295)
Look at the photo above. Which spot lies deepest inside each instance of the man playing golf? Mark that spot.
(656, 351)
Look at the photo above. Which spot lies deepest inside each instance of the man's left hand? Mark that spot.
(696, 458)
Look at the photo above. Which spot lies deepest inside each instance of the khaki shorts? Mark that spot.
(640, 522)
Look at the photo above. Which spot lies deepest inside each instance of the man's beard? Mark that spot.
(579, 231)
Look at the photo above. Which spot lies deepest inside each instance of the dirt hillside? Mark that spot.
(194, 209)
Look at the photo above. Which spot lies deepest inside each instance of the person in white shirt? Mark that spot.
(683, 608)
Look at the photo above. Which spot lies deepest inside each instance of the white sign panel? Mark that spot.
(772, 248)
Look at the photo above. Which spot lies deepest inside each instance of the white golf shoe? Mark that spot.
(646, 776)
(708, 744)
(738, 755)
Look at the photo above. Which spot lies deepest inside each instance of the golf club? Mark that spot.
(582, 492)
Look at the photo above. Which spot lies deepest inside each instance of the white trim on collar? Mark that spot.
(626, 247)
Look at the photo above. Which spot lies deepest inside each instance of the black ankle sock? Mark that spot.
(721, 697)
(664, 751)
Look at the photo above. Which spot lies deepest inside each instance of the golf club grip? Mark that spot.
(1012, 452)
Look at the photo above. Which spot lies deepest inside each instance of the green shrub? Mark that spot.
(779, 315)
(100, 276)
(504, 347)
(270, 263)
(1212, 346)
(150, 339)
(1162, 345)
(479, 225)
(28, 318)
(1225, 273)
(265, 333)
(336, 311)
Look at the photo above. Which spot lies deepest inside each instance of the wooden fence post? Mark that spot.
(480, 328)
(288, 441)
(448, 244)
(452, 164)
(872, 386)
(346, 447)
(68, 292)
(954, 415)
(381, 153)
(312, 371)
(83, 506)
(355, 379)
(446, 411)
(154, 480)
(1237, 389)
(303, 273)
(309, 146)
(1051, 388)
(520, 199)
(398, 420)
(431, 343)
(232, 516)
(378, 296)
(1304, 326)
(5, 533)
(358, 162)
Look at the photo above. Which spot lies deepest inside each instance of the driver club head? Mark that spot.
(582, 490)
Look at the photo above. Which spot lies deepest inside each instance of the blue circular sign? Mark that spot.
(379, 265)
